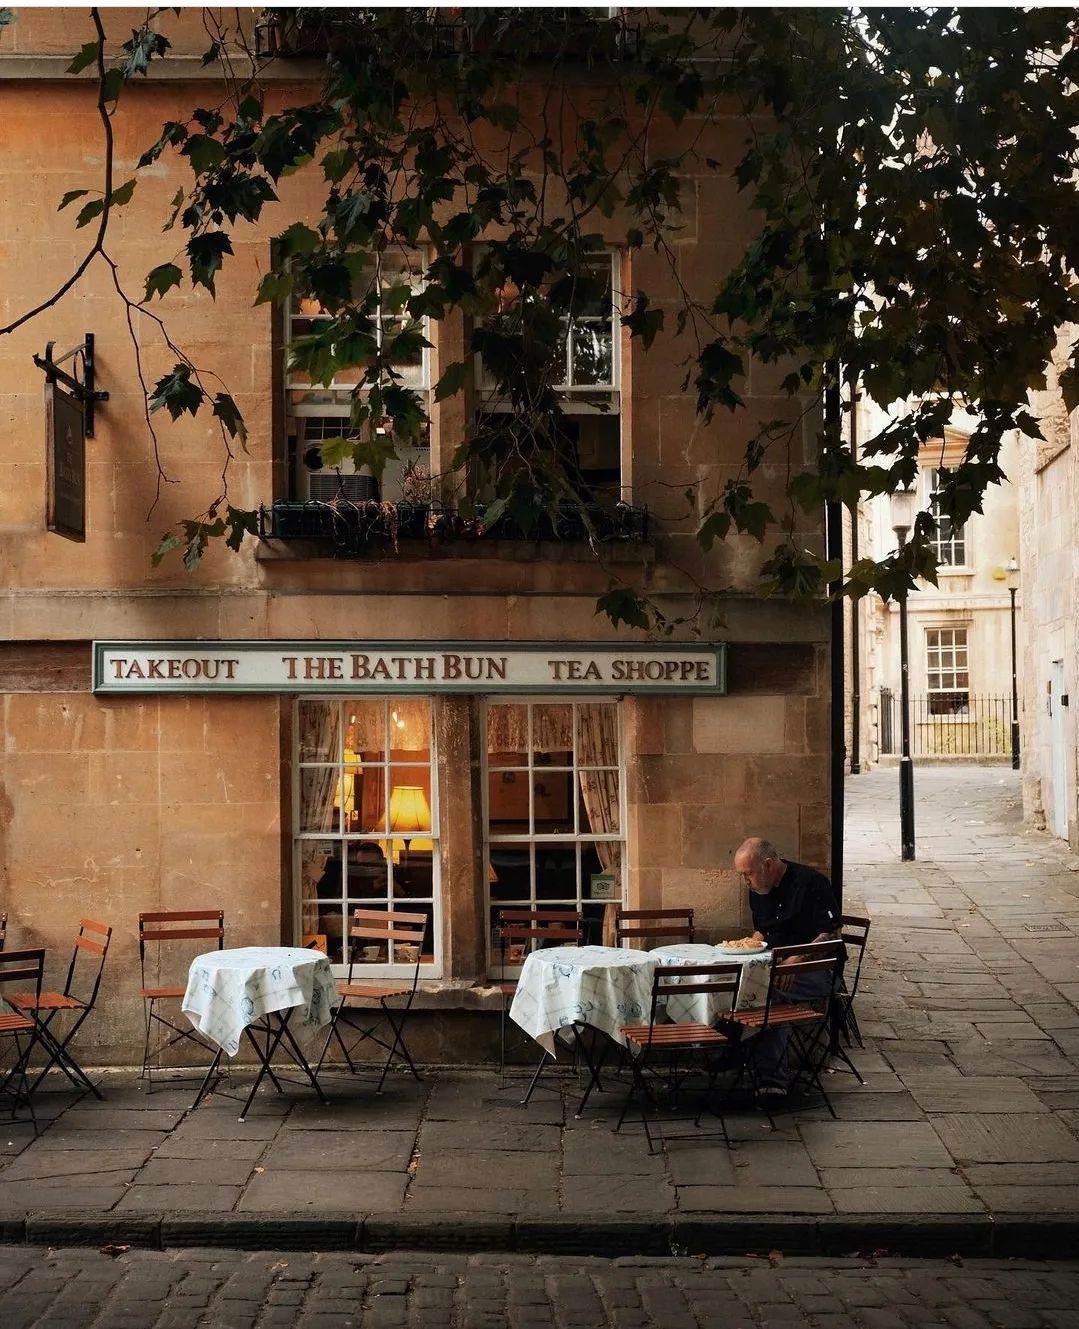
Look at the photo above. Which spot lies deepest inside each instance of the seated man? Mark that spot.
(792, 905)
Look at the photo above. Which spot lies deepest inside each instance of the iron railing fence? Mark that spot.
(940, 726)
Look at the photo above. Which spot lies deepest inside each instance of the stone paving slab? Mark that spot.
(965, 1132)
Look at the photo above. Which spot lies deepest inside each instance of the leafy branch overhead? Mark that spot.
(912, 172)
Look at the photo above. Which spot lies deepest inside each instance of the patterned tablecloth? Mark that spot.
(700, 1007)
(596, 985)
(229, 990)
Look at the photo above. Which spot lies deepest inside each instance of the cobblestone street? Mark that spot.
(199, 1289)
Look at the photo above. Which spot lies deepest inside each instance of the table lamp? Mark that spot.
(409, 813)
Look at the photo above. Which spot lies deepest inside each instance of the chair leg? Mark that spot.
(398, 1044)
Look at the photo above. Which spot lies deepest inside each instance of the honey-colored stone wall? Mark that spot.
(109, 807)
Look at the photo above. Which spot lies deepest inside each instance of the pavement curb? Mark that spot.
(1047, 1236)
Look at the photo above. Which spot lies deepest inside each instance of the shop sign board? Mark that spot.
(65, 504)
(356, 667)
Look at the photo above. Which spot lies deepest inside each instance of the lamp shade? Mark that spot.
(408, 810)
(344, 795)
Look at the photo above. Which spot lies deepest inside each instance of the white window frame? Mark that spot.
(945, 544)
(575, 394)
(533, 837)
(338, 403)
(344, 838)
(942, 659)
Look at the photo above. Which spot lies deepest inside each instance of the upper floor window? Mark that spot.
(315, 413)
(947, 672)
(949, 542)
(586, 374)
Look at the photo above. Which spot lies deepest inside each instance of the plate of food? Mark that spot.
(742, 946)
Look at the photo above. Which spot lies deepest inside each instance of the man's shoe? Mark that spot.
(771, 1095)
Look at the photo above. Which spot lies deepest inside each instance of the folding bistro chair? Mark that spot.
(531, 929)
(78, 997)
(364, 1004)
(668, 1053)
(161, 929)
(854, 933)
(652, 924)
(25, 967)
(808, 1019)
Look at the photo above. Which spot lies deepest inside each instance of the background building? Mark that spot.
(1049, 625)
(959, 631)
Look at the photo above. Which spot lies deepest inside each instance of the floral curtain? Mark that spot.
(320, 739)
(597, 745)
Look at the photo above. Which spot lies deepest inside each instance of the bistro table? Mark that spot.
(257, 990)
(564, 990)
(700, 1007)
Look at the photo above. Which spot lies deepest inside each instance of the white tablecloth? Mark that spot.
(700, 1006)
(229, 990)
(596, 985)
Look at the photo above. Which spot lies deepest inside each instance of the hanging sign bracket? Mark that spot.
(85, 392)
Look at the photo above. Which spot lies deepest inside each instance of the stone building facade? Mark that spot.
(959, 631)
(282, 804)
(1049, 636)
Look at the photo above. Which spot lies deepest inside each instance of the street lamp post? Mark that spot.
(904, 502)
(1011, 569)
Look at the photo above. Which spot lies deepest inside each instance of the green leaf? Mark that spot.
(226, 410)
(206, 253)
(274, 287)
(161, 279)
(176, 393)
(623, 606)
(91, 210)
(204, 152)
(70, 197)
(168, 544)
(112, 85)
(86, 57)
(122, 194)
(451, 380)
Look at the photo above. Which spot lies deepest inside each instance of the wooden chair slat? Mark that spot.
(184, 916)
(88, 944)
(184, 934)
(92, 925)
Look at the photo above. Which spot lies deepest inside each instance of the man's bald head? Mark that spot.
(759, 863)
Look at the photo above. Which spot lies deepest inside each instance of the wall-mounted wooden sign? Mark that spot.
(65, 502)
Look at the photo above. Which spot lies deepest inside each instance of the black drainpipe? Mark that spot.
(855, 606)
(834, 532)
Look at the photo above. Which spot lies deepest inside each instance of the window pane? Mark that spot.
(507, 735)
(552, 798)
(410, 801)
(365, 733)
(318, 789)
(318, 730)
(556, 872)
(598, 810)
(410, 730)
(507, 802)
(367, 876)
(552, 735)
(592, 353)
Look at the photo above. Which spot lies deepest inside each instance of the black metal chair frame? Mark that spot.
(685, 1045)
(93, 938)
(400, 928)
(160, 926)
(531, 928)
(27, 966)
(854, 933)
(807, 1018)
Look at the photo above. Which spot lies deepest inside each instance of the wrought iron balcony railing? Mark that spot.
(354, 529)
